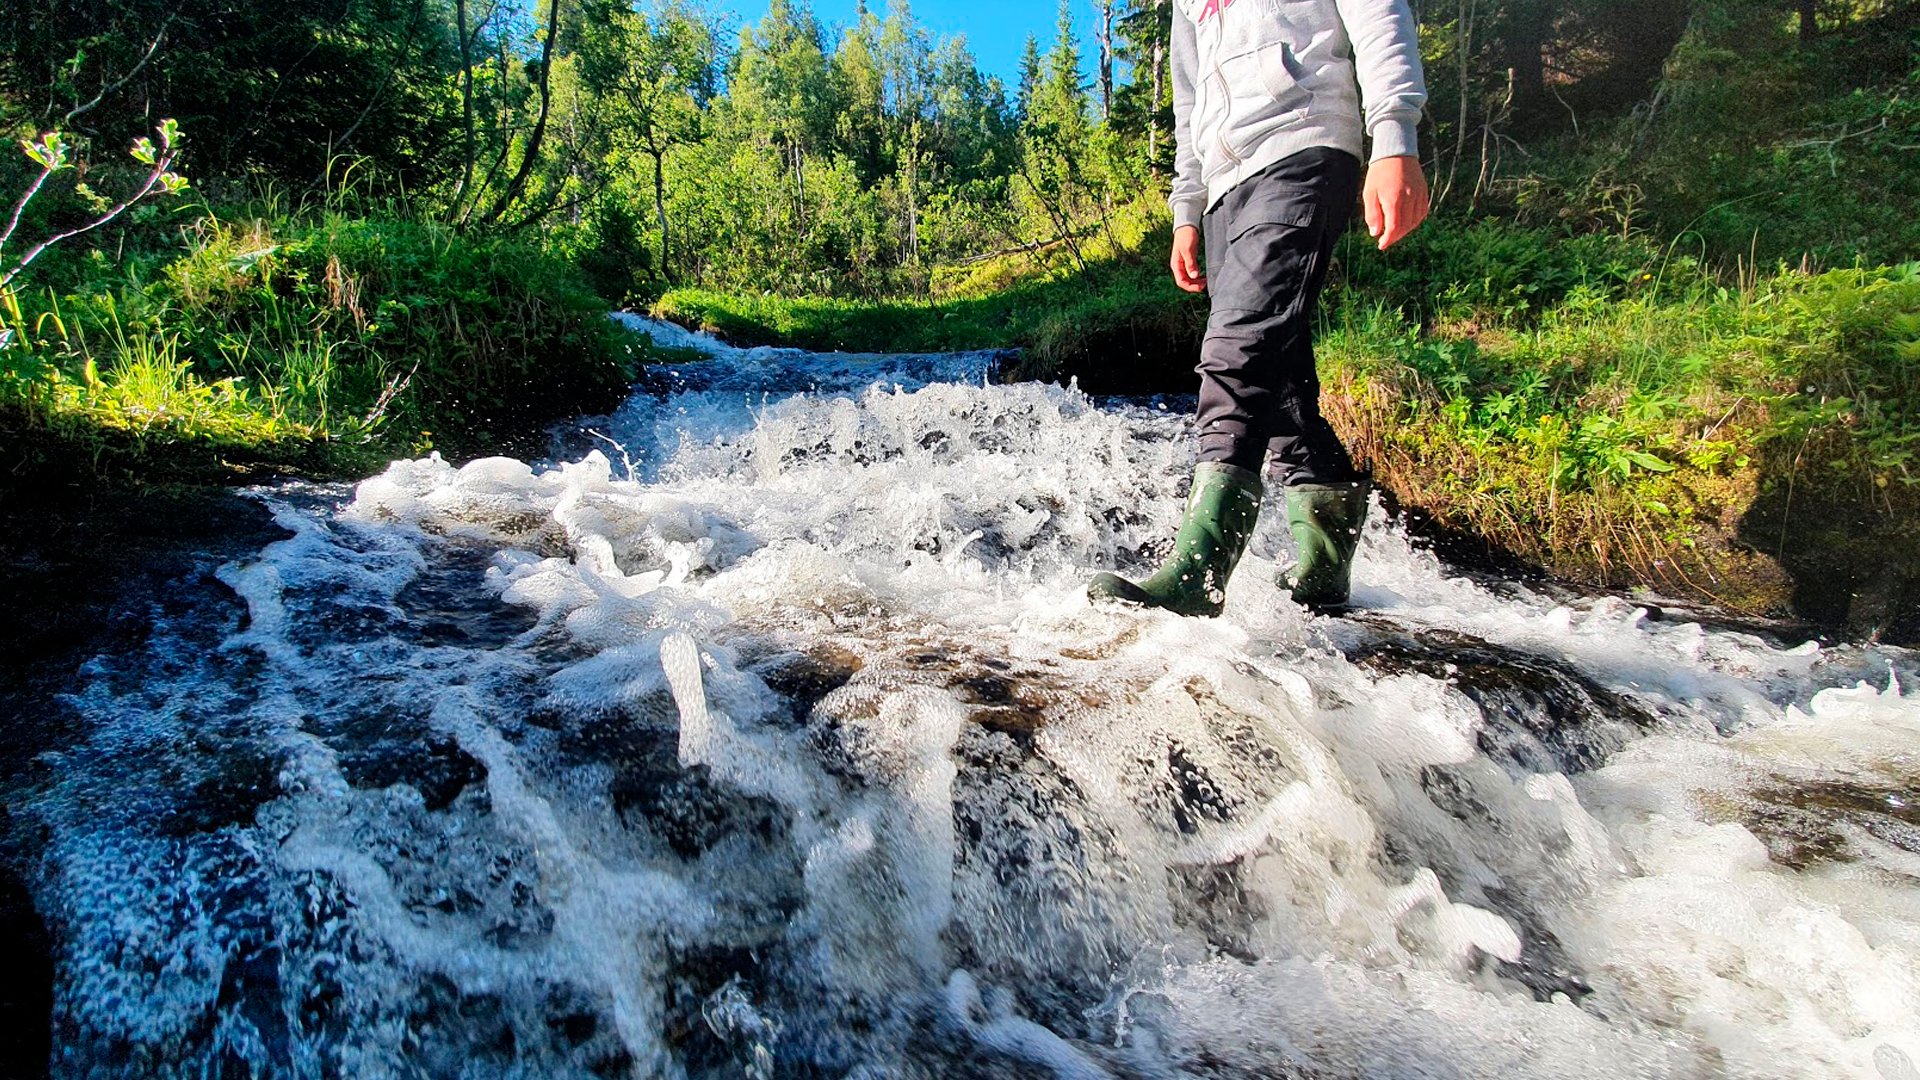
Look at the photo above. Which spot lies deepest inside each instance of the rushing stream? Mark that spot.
(767, 732)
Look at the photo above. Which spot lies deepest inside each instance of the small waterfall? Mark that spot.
(767, 732)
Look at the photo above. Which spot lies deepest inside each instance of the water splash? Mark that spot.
(798, 752)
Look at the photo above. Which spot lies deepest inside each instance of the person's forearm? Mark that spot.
(1188, 199)
(1386, 56)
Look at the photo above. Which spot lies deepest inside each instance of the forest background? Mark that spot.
(1663, 329)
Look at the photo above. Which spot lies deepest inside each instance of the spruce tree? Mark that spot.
(1029, 78)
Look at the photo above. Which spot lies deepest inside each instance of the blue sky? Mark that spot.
(996, 30)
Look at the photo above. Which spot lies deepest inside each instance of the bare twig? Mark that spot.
(1708, 434)
(145, 189)
(534, 216)
(1490, 143)
(1571, 115)
(1059, 223)
(393, 389)
(81, 110)
(19, 208)
(1029, 247)
(1828, 146)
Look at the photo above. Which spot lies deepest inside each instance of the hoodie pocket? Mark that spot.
(1284, 77)
(1259, 90)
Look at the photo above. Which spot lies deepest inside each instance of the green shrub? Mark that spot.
(1491, 271)
(1756, 149)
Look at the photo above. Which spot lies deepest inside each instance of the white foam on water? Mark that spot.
(808, 739)
(669, 335)
(996, 1027)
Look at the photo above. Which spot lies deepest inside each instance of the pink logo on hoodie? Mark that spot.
(1212, 7)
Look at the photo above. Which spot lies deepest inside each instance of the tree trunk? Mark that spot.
(799, 187)
(1526, 34)
(1463, 49)
(575, 174)
(518, 184)
(1153, 113)
(660, 207)
(466, 106)
(1106, 58)
(1809, 27)
(913, 196)
(503, 123)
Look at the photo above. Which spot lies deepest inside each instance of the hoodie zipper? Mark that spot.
(1226, 118)
(1221, 142)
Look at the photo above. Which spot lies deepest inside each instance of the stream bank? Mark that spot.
(1757, 542)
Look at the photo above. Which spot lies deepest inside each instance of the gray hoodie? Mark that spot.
(1257, 80)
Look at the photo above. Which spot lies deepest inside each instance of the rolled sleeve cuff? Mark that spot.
(1396, 136)
(1188, 211)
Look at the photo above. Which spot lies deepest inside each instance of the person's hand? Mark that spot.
(1395, 199)
(1186, 259)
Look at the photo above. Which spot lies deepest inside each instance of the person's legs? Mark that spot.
(1269, 242)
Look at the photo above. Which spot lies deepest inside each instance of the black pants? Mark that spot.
(1268, 243)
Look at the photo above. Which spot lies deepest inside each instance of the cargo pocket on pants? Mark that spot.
(1271, 245)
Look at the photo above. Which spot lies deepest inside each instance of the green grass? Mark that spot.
(1057, 319)
(1612, 389)
(325, 339)
(1634, 439)
(1119, 306)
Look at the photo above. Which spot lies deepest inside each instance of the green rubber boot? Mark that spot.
(1325, 520)
(1221, 510)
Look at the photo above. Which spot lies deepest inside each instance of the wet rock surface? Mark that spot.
(1539, 715)
(89, 573)
(1809, 823)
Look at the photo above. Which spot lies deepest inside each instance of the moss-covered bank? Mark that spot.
(1752, 447)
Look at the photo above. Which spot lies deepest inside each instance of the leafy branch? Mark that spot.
(53, 153)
